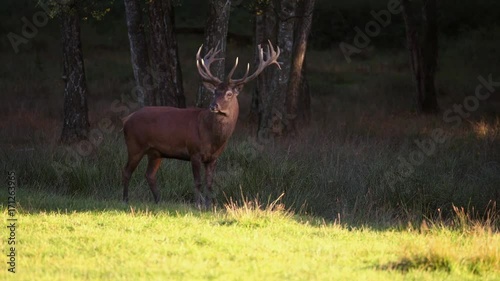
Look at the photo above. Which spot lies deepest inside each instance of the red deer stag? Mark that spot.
(190, 134)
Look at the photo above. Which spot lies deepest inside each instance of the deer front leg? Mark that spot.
(153, 166)
(209, 177)
(132, 162)
(196, 166)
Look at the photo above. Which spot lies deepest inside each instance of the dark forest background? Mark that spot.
(350, 158)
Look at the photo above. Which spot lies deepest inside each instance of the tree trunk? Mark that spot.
(164, 54)
(304, 106)
(422, 41)
(76, 122)
(174, 72)
(430, 52)
(266, 26)
(286, 42)
(139, 53)
(272, 87)
(258, 38)
(298, 97)
(215, 35)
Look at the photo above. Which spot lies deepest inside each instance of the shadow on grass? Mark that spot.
(32, 201)
(478, 265)
(427, 263)
(248, 213)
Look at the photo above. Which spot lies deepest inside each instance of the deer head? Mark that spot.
(225, 93)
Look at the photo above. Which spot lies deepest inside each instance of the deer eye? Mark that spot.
(229, 93)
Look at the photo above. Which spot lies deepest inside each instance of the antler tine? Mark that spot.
(270, 58)
(208, 59)
(261, 54)
(201, 71)
(230, 75)
(248, 69)
(232, 70)
(198, 53)
(210, 56)
(244, 76)
(275, 54)
(216, 51)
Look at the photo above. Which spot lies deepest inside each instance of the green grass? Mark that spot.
(61, 238)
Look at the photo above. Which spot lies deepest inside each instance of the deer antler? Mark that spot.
(271, 58)
(203, 65)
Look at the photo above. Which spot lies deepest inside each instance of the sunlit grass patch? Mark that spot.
(487, 130)
(254, 213)
(468, 243)
(448, 251)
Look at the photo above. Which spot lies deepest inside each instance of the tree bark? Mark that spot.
(298, 97)
(164, 54)
(76, 121)
(215, 35)
(272, 86)
(258, 38)
(139, 53)
(266, 29)
(429, 102)
(422, 41)
(286, 42)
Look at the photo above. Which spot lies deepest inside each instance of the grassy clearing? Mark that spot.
(82, 239)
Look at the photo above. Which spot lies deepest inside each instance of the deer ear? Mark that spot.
(209, 86)
(238, 89)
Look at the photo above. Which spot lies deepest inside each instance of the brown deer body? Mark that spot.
(191, 134)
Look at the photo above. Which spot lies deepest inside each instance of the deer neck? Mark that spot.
(220, 126)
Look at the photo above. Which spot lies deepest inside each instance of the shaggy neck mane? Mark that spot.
(221, 124)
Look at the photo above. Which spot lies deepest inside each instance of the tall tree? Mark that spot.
(215, 34)
(76, 121)
(422, 40)
(277, 22)
(282, 97)
(139, 53)
(298, 97)
(262, 98)
(287, 16)
(164, 54)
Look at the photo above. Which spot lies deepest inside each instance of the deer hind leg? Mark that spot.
(132, 162)
(209, 177)
(154, 162)
(196, 166)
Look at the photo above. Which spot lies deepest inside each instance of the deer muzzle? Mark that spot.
(214, 107)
